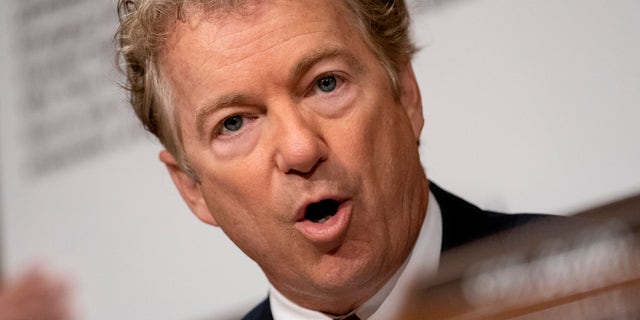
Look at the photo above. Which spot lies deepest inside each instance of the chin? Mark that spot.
(343, 289)
(348, 271)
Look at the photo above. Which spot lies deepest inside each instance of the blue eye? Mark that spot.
(233, 123)
(327, 84)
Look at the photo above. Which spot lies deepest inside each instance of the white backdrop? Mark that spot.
(529, 105)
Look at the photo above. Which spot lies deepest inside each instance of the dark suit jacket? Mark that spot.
(462, 223)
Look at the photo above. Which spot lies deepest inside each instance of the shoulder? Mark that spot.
(463, 222)
(260, 312)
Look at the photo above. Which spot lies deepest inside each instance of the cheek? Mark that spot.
(385, 152)
(233, 193)
(374, 137)
(236, 208)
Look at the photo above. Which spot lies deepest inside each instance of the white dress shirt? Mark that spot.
(386, 303)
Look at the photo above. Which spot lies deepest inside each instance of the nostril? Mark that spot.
(322, 211)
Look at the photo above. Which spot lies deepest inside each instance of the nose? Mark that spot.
(300, 145)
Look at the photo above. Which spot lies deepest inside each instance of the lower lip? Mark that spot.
(329, 231)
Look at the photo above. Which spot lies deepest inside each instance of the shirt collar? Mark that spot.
(421, 263)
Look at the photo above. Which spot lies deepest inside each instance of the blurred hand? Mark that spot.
(34, 296)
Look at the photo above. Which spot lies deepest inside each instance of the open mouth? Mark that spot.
(320, 212)
(325, 222)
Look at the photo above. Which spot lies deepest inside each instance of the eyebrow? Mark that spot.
(225, 100)
(300, 68)
(309, 61)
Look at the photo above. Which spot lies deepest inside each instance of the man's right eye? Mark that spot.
(232, 124)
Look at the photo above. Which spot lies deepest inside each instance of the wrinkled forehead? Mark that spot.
(212, 10)
(232, 35)
(221, 9)
(206, 47)
(236, 18)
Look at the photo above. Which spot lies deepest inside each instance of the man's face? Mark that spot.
(304, 158)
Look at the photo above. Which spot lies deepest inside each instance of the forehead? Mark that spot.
(224, 38)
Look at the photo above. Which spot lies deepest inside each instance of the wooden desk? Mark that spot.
(588, 270)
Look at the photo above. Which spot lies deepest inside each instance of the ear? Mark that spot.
(189, 188)
(410, 98)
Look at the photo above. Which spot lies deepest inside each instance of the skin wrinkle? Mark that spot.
(230, 45)
(297, 72)
(241, 98)
(265, 35)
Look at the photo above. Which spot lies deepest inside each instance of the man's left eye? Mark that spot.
(327, 84)
(233, 123)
